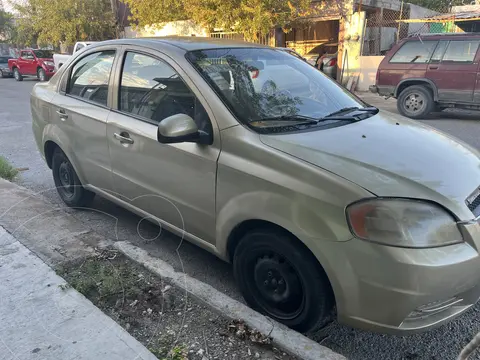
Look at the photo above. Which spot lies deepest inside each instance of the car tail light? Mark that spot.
(332, 62)
(254, 73)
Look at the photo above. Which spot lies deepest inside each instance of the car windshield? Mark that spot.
(4, 59)
(43, 54)
(264, 84)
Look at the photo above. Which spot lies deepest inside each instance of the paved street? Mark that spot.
(18, 146)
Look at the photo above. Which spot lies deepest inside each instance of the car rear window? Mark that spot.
(417, 51)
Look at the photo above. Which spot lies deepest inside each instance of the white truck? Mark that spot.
(60, 59)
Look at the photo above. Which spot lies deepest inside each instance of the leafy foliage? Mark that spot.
(7, 171)
(442, 6)
(6, 25)
(64, 21)
(252, 18)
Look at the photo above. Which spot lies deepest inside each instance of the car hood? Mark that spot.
(391, 156)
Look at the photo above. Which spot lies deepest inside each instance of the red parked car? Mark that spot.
(432, 72)
(37, 63)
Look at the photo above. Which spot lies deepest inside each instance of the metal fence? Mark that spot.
(385, 26)
(264, 40)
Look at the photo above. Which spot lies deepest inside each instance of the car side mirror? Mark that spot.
(179, 128)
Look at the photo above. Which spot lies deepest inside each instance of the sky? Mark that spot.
(7, 4)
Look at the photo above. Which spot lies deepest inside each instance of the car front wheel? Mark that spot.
(415, 102)
(42, 76)
(280, 278)
(17, 75)
(67, 182)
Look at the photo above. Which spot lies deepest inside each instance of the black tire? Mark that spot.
(67, 182)
(280, 278)
(2, 75)
(41, 74)
(17, 75)
(415, 102)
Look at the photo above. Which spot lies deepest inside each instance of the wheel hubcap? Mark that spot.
(278, 288)
(65, 175)
(414, 103)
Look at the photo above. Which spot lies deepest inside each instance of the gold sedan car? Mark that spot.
(317, 199)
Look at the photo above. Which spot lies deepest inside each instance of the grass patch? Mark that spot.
(7, 171)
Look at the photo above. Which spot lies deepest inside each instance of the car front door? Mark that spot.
(26, 63)
(173, 182)
(81, 111)
(476, 94)
(453, 69)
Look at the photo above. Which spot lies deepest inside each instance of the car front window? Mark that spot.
(43, 54)
(260, 84)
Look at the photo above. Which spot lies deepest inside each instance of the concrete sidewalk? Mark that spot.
(40, 320)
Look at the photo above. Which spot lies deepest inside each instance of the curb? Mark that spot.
(283, 337)
(19, 205)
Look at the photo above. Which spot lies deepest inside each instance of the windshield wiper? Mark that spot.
(297, 118)
(340, 114)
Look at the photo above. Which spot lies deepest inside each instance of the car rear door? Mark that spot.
(80, 111)
(173, 182)
(407, 62)
(453, 69)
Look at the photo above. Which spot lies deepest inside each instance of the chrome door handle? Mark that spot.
(62, 115)
(123, 139)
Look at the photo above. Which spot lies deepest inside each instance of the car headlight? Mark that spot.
(403, 223)
(49, 63)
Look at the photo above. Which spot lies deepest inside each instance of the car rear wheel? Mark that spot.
(17, 75)
(2, 75)
(42, 76)
(415, 102)
(280, 278)
(67, 182)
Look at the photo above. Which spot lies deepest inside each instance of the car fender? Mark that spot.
(52, 132)
(296, 217)
(415, 81)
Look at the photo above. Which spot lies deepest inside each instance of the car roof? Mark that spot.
(444, 36)
(187, 43)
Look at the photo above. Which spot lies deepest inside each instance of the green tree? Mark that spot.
(442, 6)
(45, 22)
(252, 18)
(6, 25)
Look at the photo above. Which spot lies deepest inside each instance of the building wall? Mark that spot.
(368, 71)
(350, 46)
(418, 12)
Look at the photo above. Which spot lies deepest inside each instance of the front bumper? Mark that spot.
(6, 72)
(49, 71)
(401, 291)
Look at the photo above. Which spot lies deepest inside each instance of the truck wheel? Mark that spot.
(42, 76)
(17, 75)
(279, 277)
(415, 102)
